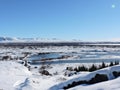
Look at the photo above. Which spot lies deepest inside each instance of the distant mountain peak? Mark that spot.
(9, 39)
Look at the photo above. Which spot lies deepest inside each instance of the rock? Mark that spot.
(116, 74)
(98, 78)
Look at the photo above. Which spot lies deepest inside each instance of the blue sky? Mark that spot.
(62, 19)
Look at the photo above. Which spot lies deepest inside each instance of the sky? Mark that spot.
(61, 19)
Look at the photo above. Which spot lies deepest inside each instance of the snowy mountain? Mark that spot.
(37, 40)
(9, 39)
(24, 40)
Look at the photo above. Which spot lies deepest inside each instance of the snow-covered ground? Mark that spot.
(12, 74)
(15, 76)
(107, 71)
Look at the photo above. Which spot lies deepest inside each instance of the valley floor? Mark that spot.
(50, 72)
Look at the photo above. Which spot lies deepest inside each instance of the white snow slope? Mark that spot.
(12, 75)
(111, 84)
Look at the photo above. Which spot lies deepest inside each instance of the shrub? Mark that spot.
(93, 68)
(116, 62)
(116, 74)
(111, 64)
(103, 65)
(82, 68)
(69, 68)
(45, 72)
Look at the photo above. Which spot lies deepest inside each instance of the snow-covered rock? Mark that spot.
(107, 71)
